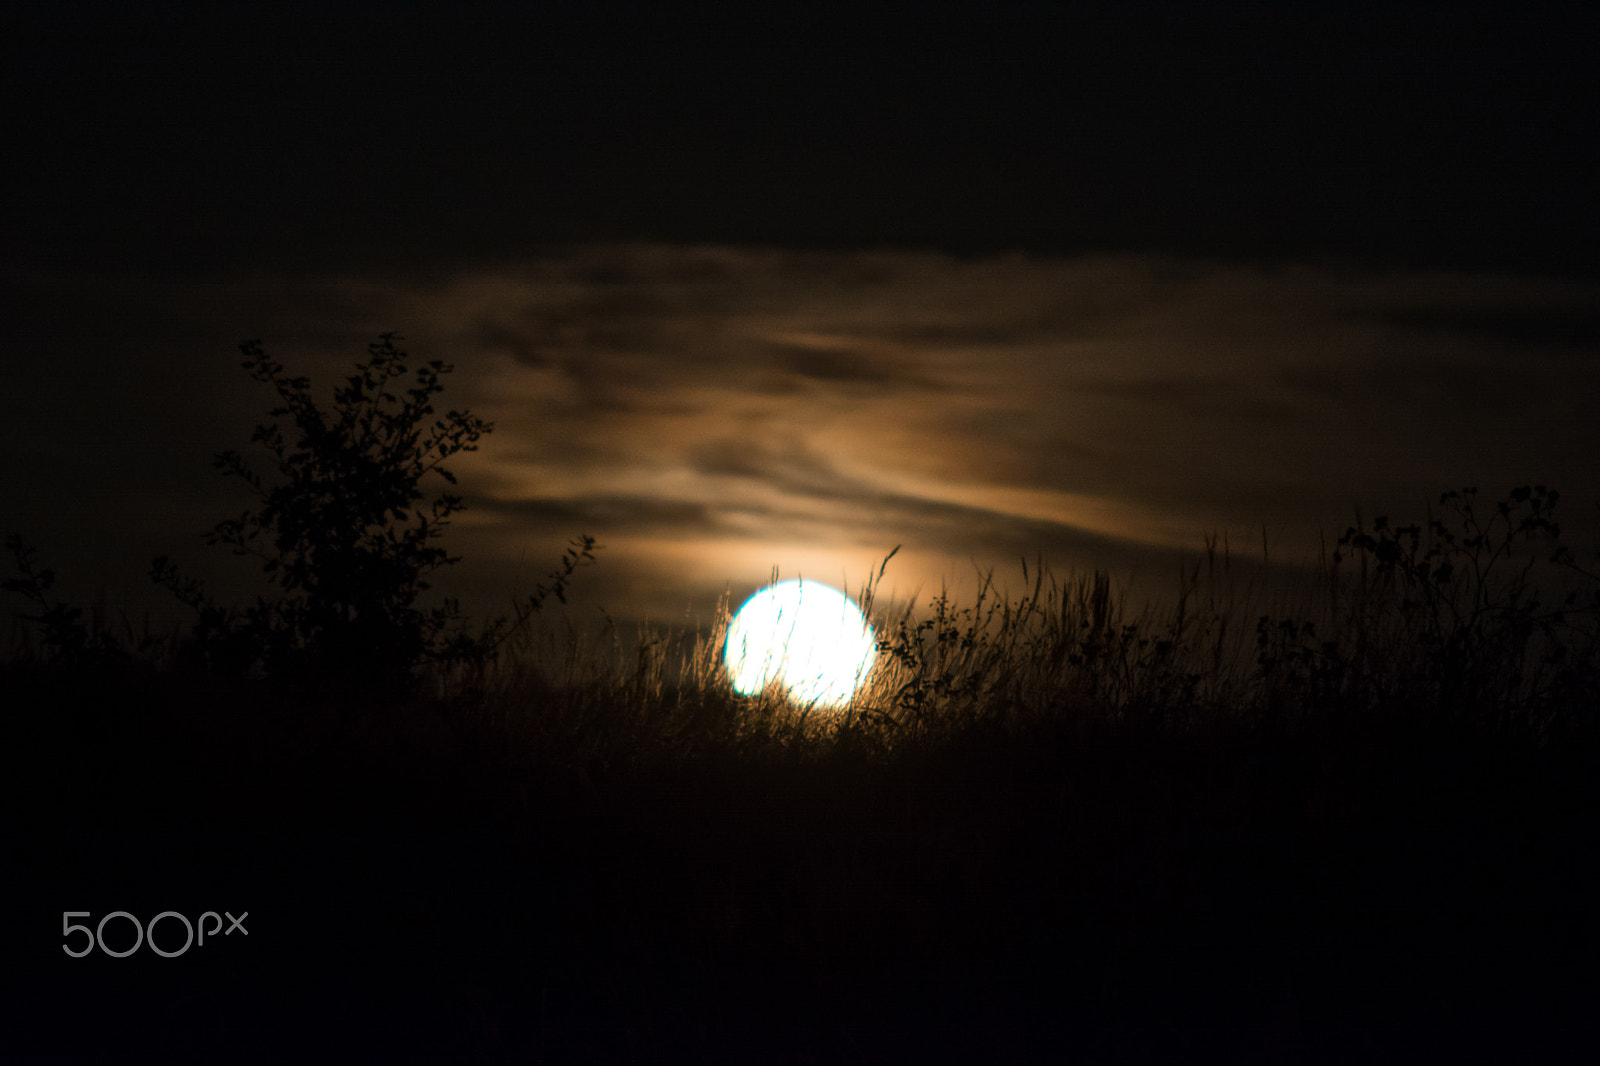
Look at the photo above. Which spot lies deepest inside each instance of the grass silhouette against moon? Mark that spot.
(806, 636)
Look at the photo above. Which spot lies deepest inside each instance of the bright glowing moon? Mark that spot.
(807, 636)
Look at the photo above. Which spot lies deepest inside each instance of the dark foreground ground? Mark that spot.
(1349, 892)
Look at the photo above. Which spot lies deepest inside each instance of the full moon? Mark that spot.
(807, 636)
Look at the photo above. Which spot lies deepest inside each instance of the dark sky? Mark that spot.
(1452, 135)
(790, 285)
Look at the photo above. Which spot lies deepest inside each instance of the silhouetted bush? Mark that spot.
(1486, 615)
(348, 535)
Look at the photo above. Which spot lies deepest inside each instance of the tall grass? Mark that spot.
(1478, 619)
(1495, 627)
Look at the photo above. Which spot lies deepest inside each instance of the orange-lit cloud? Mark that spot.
(974, 407)
(710, 413)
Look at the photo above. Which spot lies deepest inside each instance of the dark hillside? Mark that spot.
(1081, 888)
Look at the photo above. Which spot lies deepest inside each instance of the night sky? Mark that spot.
(788, 288)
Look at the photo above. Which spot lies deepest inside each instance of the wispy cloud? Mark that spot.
(767, 405)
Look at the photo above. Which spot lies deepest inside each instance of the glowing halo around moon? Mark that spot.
(807, 636)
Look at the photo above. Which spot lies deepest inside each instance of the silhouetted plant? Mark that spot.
(1295, 669)
(347, 533)
(1462, 598)
(62, 631)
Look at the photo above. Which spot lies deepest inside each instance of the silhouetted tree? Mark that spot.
(347, 533)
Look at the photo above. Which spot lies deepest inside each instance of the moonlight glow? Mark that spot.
(807, 636)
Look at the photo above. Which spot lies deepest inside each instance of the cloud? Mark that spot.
(1529, 328)
(620, 514)
(764, 402)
